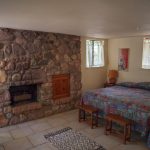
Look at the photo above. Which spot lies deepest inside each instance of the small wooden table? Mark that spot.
(109, 84)
(121, 121)
(88, 109)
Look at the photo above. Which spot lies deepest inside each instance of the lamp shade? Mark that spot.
(112, 74)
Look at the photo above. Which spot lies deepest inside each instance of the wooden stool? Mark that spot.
(83, 109)
(121, 121)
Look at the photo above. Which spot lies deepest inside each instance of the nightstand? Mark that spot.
(109, 84)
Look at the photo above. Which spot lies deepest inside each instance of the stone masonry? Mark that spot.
(28, 57)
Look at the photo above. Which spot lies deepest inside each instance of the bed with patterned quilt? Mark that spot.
(131, 100)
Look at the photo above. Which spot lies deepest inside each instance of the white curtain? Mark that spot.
(94, 53)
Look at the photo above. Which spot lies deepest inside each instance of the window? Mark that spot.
(94, 53)
(146, 54)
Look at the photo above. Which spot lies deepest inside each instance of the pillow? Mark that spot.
(143, 85)
(127, 84)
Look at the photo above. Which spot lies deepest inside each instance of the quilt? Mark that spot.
(131, 103)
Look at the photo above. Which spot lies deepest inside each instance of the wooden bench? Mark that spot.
(109, 119)
(93, 112)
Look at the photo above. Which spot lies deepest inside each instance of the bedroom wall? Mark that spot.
(92, 77)
(135, 72)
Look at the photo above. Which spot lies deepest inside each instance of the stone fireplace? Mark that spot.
(23, 94)
(28, 62)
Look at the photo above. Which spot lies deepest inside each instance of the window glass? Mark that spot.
(94, 53)
(146, 54)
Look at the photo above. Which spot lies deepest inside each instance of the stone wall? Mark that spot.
(28, 57)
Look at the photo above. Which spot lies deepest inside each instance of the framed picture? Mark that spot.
(123, 63)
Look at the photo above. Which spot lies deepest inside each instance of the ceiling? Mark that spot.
(94, 18)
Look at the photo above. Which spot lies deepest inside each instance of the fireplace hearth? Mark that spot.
(23, 94)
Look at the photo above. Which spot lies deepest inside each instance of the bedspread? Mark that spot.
(132, 103)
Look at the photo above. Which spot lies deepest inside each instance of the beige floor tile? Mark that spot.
(78, 126)
(37, 139)
(55, 122)
(41, 120)
(8, 128)
(36, 129)
(132, 147)
(40, 126)
(74, 111)
(53, 129)
(60, 115)
(18, 144)
(21, 132)
(44, 147)
(66, 113)
(5, 137)
(52, 147)
(1, 147)
(108, 141)
(94, 132)
(70, 118)
(32, 122)
(86, 134)
(28, 123)
(21, 125)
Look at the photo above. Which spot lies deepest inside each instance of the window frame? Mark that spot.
(87, 55)
(144, 66)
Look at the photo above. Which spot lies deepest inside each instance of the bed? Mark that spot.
(131, 100)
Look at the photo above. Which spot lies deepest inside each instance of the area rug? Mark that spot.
(68, 139)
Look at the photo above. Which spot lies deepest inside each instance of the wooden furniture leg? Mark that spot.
(79, 114)
(107, 126)
(129, 132)
(110, 126)
(84, 116)
(125, 123)
(97, 119)
(92, 120)
(125, 134)
(92, 111)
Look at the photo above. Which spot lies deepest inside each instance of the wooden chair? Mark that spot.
(109, 119)
(84, 110)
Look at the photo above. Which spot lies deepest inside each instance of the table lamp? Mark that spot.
(112, 76)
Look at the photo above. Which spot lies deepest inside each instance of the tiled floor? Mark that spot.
(29, 135)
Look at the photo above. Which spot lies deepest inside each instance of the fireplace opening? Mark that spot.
(23, 94)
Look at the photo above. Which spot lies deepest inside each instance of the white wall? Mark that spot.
(135, 72)
(92, 78)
